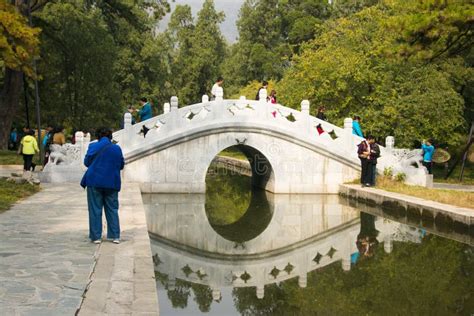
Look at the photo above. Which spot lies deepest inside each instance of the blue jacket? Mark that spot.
(103, 171)
(145, 113)
(428, 152)
(356, 130)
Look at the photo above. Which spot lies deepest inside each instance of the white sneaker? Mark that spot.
(98, 241)
(116, 241)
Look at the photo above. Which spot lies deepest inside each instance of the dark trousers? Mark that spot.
(365, 175)
(428, 165)
(373, 173)
(27, 162)
(107, 199)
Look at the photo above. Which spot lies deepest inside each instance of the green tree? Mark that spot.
(78, 88)
(18, 46)
(270, 32)
(199, 49)
(353, 68)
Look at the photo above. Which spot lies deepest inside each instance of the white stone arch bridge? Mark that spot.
(286, 152)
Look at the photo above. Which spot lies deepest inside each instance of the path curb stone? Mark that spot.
(404, 204)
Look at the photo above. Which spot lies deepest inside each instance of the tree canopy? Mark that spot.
(18, 41)
(404, 67)
(360, 65)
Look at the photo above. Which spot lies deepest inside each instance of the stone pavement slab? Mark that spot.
(45, 255)
(48, 266)
(123, 280)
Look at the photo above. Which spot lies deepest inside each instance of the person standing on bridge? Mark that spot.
(356, 129)
(104, 160)
(145, 112)
(264, 86)
(215, 87)
(321, 114)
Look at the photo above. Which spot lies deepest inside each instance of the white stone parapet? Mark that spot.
(179, 145)
(305, 107)
(174, 103)
(166, 108)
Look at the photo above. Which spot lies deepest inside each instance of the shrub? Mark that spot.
(400, 177)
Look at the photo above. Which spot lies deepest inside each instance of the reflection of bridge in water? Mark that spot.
(306, 233)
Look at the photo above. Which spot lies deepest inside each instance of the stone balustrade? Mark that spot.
(285, 137)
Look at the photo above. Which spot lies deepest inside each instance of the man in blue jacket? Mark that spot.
(104, 160)
(145, 112)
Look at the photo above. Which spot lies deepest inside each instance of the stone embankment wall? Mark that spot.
(233, 164)
(444, 218)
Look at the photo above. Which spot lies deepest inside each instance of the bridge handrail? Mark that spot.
(298, 123)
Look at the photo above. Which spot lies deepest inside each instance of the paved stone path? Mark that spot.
(123, 279)
(453, 186)
(47, 262)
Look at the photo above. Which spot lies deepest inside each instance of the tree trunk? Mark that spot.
(9, 100)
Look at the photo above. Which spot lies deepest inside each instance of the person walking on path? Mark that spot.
(215, 87)
(428, 151)
(363, 150)
(145, 112)
(58, 136)
(47, 141)
(13, 140)
(104, 160)
(373, 156)
(356, 129)
(28, 148)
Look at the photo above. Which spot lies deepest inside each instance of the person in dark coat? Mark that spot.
(373, 156)
(321, 114)
(104, 160)
(363, 151)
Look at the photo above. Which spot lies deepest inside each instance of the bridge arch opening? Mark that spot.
(237, 207)
(245, 160)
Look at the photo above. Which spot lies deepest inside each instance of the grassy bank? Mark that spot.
(12, 192)
(233, 153)
(458, 198)
(468, 178)
(8, 157)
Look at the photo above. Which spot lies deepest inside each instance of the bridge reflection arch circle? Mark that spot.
(238, 209)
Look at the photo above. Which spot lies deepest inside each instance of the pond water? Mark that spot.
(238, 251)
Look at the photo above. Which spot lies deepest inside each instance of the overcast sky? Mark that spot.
(230, 8)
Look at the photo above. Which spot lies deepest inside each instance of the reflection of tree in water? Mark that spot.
(235, 211)
(202, 296)
(432, 278)
(227, 196)
(179, 291)
(247, 303)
